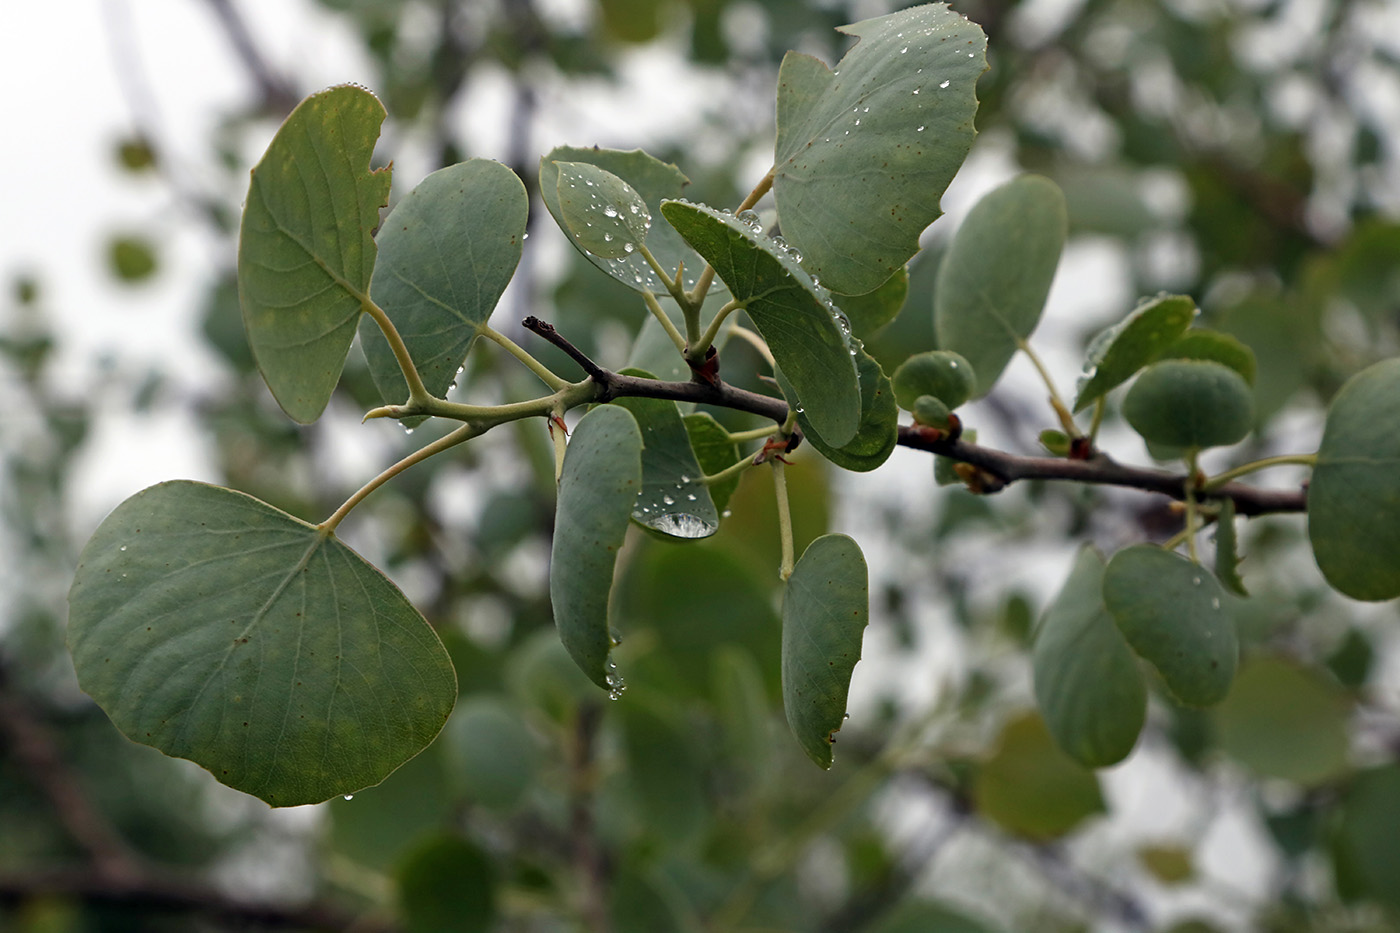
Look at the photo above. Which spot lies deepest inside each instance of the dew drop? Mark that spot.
(748, 217)
(123, 547)
(1215, 602)
(690, 497)
(904, 50)
(684, 478)
(916, 90)
(1195, 581)
(945, 83)
(609, 211)
(668, 500)
(349, 796)
(628, 247)
(607, 238)
(919, 130)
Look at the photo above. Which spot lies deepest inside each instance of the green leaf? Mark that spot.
(132, 258)
(1031, 788)
(597, 490)
(1190, 404)
(306, 249)
(714, 451)
(808, 335)
(603, 213)
(825, 609)
(995, 277)
(447, 885)
(1056, 442)
(1170, 611)
(1087, 682)
(1118, 352)
(446, 253)
(1283, 721)
(673, 500)
(873, 310)
(490, 751)
(865, 152)
(945, 375)
(653, 181)
(1227, 556)
(216, 628)
(1167, 864)
(1366, 849)
(1201, 344)
(1354, 496)
(663, 774)
(878, 433)
(918, 916)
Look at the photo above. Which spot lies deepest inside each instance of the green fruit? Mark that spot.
(1190, 404)
(941, 373)
(931, 412)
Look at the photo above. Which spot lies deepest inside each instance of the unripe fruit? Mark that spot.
(943, 374)
(1190, 404)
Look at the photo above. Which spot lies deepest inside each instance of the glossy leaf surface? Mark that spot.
(1087, 683)
(995, 277)
(1170, 611)
(1190, 404)
(1118, 352)
(878, 433)
(825, 609)
(306, 250)
(1031, 788)
(654, 181)
(446, 253)
(597, 491)
(216, 628)
(603, 213)
(673, 500)
(795, 315)
(865, 152)
(1354, 496)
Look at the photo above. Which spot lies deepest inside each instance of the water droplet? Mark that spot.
(726, 513)
(1196, 581)
(857, 121)
(801, 410)
(408, 430)
(1215, 602)
(607, 238)
(123, 547)
(682, 525)
(628, 247)
(668, 500)
(945, 83)
(525, 237)
(916, 90)
(684, 478)
(690, 497)
(903, 50)
(749, 217)
(349, 796)
(609, 211)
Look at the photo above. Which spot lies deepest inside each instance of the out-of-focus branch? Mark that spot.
(278, 95)
(588, 860)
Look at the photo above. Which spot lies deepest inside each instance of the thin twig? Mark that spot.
(546, 330)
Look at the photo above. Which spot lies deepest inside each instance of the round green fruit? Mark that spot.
(931, 412)
(943, 374)
(1190, 404)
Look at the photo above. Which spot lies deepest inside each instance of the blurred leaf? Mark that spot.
(490, 752)
(993, 282)
(306, 248)
(1352, 660)
(663, 773)
(920, 916)
(1169, 610)
(377, 826)
(1118, 352)
(1354, 494)
(132, 258)
(945, 375)
(216, 628)
(1365, 848)
(1284, 721)
(447, 885)
(446, 253)
(1087, 682)
(1168, 864)
(135, 154)
(1030, 788)
(541, 674)
(673, 499)
(635, 21)
(825, 610)
(794, 314)
(864, 152)
(597, 490)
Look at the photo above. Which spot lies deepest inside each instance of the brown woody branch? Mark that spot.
(998, 468)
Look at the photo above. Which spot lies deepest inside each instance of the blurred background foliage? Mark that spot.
(1243, 151)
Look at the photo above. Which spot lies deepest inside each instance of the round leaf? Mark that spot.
(1201, 344)
(865, 152)
(1031, 788)
(878, 433)
(945, 375)
(597, 490)
(1283, 721)
(1366, 853)
(447, 885)
(1120, 351)
(1087, 682)
(605, 216)
(873, 310)
(825, 609)
(446, 253)
(1190, 404)
(994, 279)
(490, 751)
(306, 248)
(1170, 611)
(1354, 496)
(216, 628)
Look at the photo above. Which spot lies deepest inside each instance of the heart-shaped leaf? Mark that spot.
(1118, 352)
(1190, 404)
(216, 628)
(673, 500)
(1087, 682)
(446, 253)
(878, 433)
(806, 332)
(653, 181)
(1170, 610)
(306, 250)
(825, 609)
(1354, 496)
(864, 152)
(994, 279)
(597, 489)
(603, 213)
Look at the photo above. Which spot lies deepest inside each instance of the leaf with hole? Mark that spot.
(447, 251)
(1170, 609)
(673, 500)
(1118, 352)
(1087, 683)
(216, 628)
(597, 491)
(1189, 404)
(996, 275)
(1354, 495)
(306, 248)
(864, 152)
(825, 609)
(806, 333)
